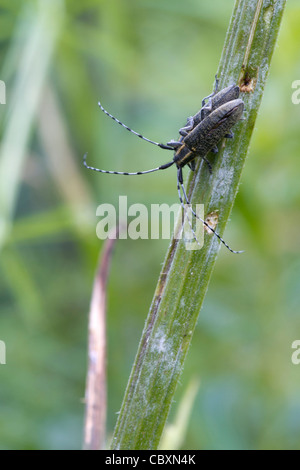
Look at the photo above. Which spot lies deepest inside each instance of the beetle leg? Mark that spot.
(209, 97)
(192, 165)
(179, 175)
(188, 127)
(175, 144)
(216, 84)
(213, 93)
(208, 165)
(229, 135)
(206, 107)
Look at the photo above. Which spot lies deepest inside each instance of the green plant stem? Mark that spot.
(185, 276)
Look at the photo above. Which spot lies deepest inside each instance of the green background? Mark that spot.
(150, 63)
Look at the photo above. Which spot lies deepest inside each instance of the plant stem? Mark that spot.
(185, 276)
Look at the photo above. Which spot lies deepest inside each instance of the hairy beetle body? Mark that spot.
(208, 133)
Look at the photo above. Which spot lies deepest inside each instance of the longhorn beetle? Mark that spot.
(198, 137)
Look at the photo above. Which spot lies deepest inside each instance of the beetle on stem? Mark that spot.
(198, 137)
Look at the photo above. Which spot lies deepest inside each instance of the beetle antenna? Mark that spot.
(181, 186)
(187, 216)
(162, 146)
(162, 167)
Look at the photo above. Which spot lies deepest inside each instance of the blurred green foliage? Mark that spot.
(150, 63)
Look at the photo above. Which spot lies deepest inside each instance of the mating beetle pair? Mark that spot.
(198, 137)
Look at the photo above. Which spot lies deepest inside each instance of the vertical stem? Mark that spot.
(185, 276)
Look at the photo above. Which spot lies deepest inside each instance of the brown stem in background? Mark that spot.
(95, 393)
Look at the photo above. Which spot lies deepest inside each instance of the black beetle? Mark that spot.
(198, 137)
